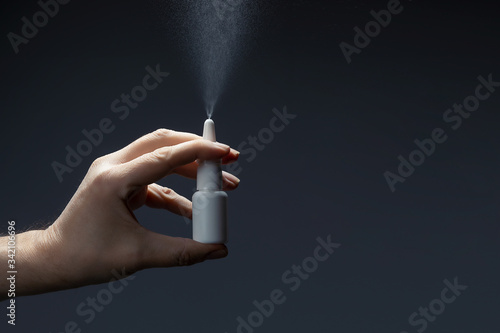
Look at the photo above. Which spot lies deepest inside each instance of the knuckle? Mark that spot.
(163, 133)
(200, 143)
(169, 193)
(162, 155)
(185, 258)
(97, 162)
(101, 171)
(104, 177)
(101, 178)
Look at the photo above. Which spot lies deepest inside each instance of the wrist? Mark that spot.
(33, 266)
(39, 263)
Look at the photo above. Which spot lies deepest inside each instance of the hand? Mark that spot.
(98, 231)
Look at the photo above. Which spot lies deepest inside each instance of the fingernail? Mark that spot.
(232, 178)
(221, 145)
(216, 254)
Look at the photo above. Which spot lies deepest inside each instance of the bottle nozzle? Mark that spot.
(209, 172)
(209, 130)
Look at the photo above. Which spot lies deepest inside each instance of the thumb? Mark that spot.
(167, 251)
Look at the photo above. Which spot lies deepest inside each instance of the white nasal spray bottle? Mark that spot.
(209, 202)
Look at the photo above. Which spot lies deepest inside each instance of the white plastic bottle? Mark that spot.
(209, 202)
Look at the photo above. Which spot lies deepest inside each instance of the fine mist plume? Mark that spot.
(215, 31)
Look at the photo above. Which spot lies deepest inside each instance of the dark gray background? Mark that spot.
(322, 175)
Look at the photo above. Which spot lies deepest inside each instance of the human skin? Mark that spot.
(98, 234)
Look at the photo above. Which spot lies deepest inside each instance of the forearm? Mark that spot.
(34, 265)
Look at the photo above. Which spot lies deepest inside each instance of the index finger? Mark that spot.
(147, 143)
(150, 167)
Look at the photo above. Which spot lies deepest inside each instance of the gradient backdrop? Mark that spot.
(322, 175)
